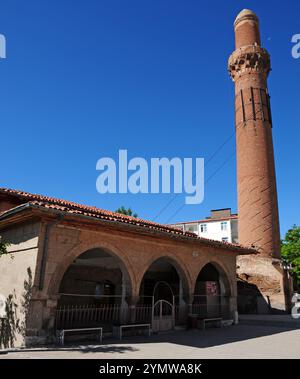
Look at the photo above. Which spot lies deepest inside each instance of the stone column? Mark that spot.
(124, 305)
(41, 321)
(182, 311)
(133, 300)
(233, 309)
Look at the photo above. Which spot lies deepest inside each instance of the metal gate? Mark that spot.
(163, 316)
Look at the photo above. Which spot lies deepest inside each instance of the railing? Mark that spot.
(181, 314)
(211, 306)
(143, 313)
(88, 316)
(80, 316)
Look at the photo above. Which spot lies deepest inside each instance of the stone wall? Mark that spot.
(17, 275)
(266, 276)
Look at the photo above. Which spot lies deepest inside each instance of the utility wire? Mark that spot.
(205, 165)
(209, 178)
(205, 182)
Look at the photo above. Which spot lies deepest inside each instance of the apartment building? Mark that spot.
(221, 225)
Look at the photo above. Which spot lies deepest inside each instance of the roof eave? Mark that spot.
(239, 250)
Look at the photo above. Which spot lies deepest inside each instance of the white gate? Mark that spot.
(163, 316)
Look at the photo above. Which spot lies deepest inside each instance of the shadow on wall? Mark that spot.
(251, 301)
(13, 325)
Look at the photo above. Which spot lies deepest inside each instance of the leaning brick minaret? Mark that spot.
(258, 222)
(249, 67)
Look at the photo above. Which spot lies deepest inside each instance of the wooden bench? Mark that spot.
(217, 320)
(118, 329)
(60, 334)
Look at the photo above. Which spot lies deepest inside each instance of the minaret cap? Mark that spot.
(246, 27)
(245, 14)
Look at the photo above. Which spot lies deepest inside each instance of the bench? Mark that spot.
(217, 320)
(60, 334)
(118, 329)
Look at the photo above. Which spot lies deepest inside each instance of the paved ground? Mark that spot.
(272, 320)
(241, 341)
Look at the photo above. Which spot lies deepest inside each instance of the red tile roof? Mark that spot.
(72, 208)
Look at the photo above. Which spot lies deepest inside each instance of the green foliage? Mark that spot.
(25, 301)
(9, 326)
(290, 251)
(17, 310)
(3, 247)
(127, 212)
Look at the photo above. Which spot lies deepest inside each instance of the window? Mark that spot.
(191, 228)
(224, 225)
(203, 228)
(224, 239)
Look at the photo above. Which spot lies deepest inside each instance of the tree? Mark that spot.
(127, 212)
(290, 251)
(3, 247)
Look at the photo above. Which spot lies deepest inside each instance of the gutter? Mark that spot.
(49, 226)
(15, 210)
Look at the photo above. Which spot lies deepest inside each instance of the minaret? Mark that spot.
(249, 66)
(258, 222)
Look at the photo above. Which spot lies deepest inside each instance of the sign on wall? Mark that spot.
(211, 288)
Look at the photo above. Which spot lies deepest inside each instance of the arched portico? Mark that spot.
(164, 264)
(120, 284)
(95, 289)
(164, 287)
(212, 292)
(62, 266)
(226, 284)
(97, 273)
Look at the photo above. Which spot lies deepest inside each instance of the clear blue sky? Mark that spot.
(83, 79)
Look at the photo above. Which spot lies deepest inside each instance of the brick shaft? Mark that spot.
(249, 66)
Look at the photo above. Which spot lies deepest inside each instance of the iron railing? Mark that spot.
(211, 306)
(92, 315)
(80, 316)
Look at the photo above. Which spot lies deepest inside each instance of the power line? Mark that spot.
(205, 165)
(205, 182)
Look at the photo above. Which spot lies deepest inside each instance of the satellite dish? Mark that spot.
(2, 306)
